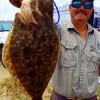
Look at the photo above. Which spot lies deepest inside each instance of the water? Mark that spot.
(5, 25)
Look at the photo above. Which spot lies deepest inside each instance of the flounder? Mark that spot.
(31, 50)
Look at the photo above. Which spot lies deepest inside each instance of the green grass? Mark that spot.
(98, 92)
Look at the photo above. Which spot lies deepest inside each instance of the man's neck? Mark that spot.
(81, 28)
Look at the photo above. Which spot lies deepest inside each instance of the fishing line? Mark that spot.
(58, 13)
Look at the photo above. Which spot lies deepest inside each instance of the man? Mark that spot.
(76, 74)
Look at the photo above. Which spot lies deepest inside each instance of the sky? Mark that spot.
(7, 11)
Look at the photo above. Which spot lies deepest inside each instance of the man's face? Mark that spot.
(83, 12)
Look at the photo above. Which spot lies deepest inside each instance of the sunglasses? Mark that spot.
(78, 4)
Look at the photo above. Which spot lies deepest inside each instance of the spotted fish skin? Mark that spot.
(31, 50)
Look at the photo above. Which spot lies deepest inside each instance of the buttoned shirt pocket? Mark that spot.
(68, 64)
(69, 52)
(68, 55)
(93, 54)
